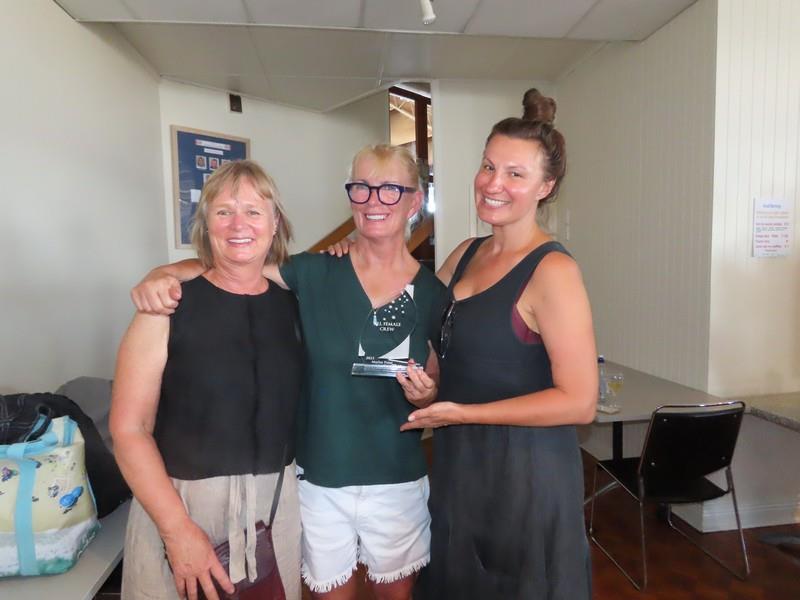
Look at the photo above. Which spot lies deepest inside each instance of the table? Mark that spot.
(640, 395)
(87, 576)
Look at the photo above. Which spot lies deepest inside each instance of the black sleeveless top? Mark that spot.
(506, 501)
(231, 383)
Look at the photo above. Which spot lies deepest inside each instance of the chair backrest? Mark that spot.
(685, 442)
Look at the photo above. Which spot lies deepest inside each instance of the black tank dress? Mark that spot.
(506, 501)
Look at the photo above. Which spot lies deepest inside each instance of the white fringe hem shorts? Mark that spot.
(385, 527)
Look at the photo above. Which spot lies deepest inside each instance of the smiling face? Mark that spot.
(373, 219)
(241, 225)
(511, 181)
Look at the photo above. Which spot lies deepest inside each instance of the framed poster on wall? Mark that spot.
(196, 154)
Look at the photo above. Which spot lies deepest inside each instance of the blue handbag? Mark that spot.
(47, 511)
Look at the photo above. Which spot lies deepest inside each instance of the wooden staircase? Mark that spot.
(421, 235)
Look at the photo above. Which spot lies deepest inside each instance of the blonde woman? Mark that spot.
(204, 401)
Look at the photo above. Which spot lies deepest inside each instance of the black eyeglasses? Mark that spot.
(446, 334)
(388, 193)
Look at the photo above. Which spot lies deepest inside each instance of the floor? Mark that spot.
(678, 570)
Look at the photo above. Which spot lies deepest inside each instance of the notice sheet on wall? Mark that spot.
(773, 224)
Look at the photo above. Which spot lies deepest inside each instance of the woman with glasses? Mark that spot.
(363, 485)
(518, 372)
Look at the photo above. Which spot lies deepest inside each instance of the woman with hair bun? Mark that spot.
(518, 372)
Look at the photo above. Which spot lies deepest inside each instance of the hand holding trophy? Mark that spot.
(384, 346)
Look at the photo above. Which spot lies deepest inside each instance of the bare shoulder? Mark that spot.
(448, 267)
(558, 263)
(557, 272)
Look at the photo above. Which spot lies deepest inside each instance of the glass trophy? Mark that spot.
(385, 342)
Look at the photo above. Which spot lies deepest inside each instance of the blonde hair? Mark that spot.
(232, 174)
(384, 153)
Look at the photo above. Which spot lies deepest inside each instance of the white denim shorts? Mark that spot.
(385, 527)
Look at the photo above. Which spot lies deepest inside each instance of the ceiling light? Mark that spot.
(428, 15)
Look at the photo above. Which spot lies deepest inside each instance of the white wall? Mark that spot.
(755, 302)
(80, 161)
(635, 208)
(307, 153)
(678, 135)
(464, 111)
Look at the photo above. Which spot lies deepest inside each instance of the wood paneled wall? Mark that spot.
(636, 205)
(755, 302)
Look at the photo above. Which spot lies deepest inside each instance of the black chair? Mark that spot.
(684, 444)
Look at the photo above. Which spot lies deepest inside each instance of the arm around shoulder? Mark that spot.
(160, 290)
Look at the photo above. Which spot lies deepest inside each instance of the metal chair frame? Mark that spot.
(641, 497)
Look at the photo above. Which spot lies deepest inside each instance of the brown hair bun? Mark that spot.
(536, 125)
(538, 107)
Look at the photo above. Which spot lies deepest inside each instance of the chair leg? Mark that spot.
(592, 499)
(732, 488)
(595, 495)
(606, 488)
(644, 550)
(738, 525)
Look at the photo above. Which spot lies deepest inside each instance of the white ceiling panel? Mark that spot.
(318, 93)
(177, 49)
(306, 13)
(251, 84)
(616, 20)
(188, 11)
(546, 59)
(319, 52)
(476, 57)
(528, 18)
(446, 56)
(92, 10)
(394, 15)
(575, 19)
(356, 46)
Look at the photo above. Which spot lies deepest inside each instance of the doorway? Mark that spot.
(410, 125)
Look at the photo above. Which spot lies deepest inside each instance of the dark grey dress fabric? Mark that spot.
(506, 502)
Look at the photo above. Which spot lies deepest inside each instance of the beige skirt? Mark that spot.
(215, 504)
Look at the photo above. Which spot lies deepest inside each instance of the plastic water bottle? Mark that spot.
(602, 379)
